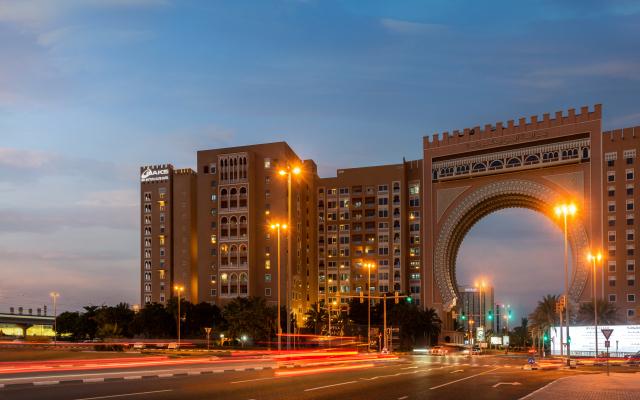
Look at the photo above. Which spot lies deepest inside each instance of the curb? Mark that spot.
(126, 378)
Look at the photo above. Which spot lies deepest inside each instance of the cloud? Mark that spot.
(112, 198)
(614, 69)
(408, 27)
(626, 120)
(53, 37)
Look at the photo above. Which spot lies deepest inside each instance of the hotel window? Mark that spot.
(415, 264)
(213, 197)
(611, 176)
(213, 292)
(213, 252)
(147, 265)
(629, 173)
(612, 191)
(415, 276)
(612, 236)
(147, 219)
(267, 193)
(383, 201)
(383, 251)
(266, 180)
(162, 252)
(267, 278)
(631, 280)
(414, 240)
(147, 287)
(162, 298)
(631, 234)
(344, 252)
(147, 242)
(161, 240)
(630, 249)
(612, 298)
(267, 163)
(213, 238)
(612, 252)
(612, 266)
(267, 292)
(267, 236)
(629, 205)
(161, 217)
(213, 168)
(147, 208)
(213, 225)
(629, 160)
(147, 299)
(213, 211)
(415, 251)
(631, 266)
(333, 191)
(267, 264)
(213, 184)
(147, 254)
(213, 265)
(205, 169)
(161, 207)
(612, 221)
(612, 281)
(630, 313)
(612, 206)
(414, 203)
(147, 276)
(629, 188)
(344, 227)
(631, 298)
(344, 191)
(342, 215)
(382, 188)
(414, 214)
(267, 250)
(147, 196)
(162, 264)
(630, 218)
(610, 163)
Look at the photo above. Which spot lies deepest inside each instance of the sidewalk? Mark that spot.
(587, 387)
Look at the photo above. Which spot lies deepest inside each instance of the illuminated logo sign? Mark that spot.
(470, 289)
(149, 175)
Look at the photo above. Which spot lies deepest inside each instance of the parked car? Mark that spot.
(19, 341)
(633, 357)
(477, 350)
(96, 340)
(533, 351)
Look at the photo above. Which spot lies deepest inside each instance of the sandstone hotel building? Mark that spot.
(209, 230)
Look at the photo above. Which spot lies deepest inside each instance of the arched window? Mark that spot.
(531, 159)
(224, 248)
(223, 193)
(233, 249)
(555, 155)
(496, 164)
(564, 153)
(435, 174)
(544, 156)
(514, 161)
(243, 220)
(585, 153)
(224, 278)
(224, 221)
(234, 191)
(233, 221)
(233, 278)
(480, 166)
(243, 191)
(575, 152)
(243, 278)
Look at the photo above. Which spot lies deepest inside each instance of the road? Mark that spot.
(412, 377)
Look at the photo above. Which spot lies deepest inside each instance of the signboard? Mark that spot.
(483, 345)
(496, 340)
(470, 289)
(505, 340)
(607, 333)
(531, 360)
(150, 175)
(480, 334)
(607, 344)
(207, 330)
(583, 338)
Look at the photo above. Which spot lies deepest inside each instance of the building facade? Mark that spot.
(210, 231)
(476, 305)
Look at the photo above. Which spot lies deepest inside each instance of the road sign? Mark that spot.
(384, 350)
(607, 333)
(532, 360)
(607, 344)
(207, 330)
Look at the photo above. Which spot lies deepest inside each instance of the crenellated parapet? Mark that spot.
(498, 130)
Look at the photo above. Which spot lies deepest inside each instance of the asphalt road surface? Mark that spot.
(412, 377)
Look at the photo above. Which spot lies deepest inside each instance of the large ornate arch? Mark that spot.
(493, 197)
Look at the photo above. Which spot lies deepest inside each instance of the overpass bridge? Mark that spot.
(25, 322)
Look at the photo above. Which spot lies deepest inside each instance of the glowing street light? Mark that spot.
(278, 226)
(369, 266)
(566, 210)
(179, 289)
(288, 173)
(595, 298)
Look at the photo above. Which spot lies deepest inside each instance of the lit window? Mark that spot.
(213, 238)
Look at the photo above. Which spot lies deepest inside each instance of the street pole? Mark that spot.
(369, 311)
(384, 299)
(595, 305)
(566, 210)
(55, 320)
(279, 324)
(561, 343)
(179, 289)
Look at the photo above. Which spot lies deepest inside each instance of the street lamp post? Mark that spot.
(179, 289)
(288, 173)
(369, 266)
(481, 309)
(55, 319)
(566, 210)
(277, 226)
(595, 298)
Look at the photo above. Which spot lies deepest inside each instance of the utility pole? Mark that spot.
(55, 320)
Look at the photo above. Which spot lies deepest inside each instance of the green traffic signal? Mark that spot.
(545, 338)
(490, 316)
(464, 316)
(509, 313)
(409, 299)
(568, 340)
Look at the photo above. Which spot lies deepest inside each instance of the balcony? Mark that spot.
(396, 215)
(397, 279)
(396, 190)
(396, 253)
(233, 196)
(396, 240)
(357, 241)
(357, 205)
(243, 253)
(371, 216)
(371, 240)
(357, 228)
(358, 217)
(321, 255)
(371, 253)
(371, 229)
(371, 204)
(396, 266)
(357, 192)
(243, 195)
(358, 253)
(223, 253)
(396, 228)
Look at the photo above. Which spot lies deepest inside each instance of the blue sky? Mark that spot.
(89, 91)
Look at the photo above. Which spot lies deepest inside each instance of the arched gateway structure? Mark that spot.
(536, 165)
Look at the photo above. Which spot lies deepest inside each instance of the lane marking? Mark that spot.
(386, 376)
(128, 394)
(468, 377)
(405, 368)
(324, 387)
(542, 388)
(253, 380)
(402, 398)
(44, 383)
(460, 370)
(507, 383)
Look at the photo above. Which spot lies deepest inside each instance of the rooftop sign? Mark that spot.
(149, 175)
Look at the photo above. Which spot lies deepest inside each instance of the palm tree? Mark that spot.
(457, 325)
(523, 330)
(314, 317)
(431, 324)
(544, 317)
(607, 313)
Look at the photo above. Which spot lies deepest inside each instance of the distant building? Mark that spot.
(475, 308)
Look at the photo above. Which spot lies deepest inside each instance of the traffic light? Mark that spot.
(569, 340)
(397, 298)
(408, 299)
(490, 316)
(463, 316)
(361, 297)
(509, 313)
(545, 337)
